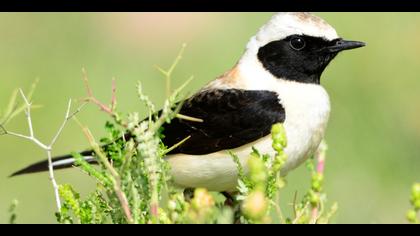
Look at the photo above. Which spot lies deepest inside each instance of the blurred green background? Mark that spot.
(374, 129)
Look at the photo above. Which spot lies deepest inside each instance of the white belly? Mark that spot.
(307, 110)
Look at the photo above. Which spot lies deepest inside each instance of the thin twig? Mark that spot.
(92, 98)
(168, 73)
(116, 177)
(48, 148)
(189, 118)
(53, 181)
(43, 146)
(110, 110)
(28, 113)
(13, 108)
(66, 118)
(176, 145)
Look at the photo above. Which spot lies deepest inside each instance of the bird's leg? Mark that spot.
(234, 205)
(230, 201)
(188, 194)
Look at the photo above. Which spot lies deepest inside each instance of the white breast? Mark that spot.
(307, 109)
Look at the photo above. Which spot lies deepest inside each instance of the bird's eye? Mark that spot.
(297, 43)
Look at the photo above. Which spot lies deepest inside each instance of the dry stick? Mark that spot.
(110, 110)
(117, 180)
(92, 98)
(47, 148)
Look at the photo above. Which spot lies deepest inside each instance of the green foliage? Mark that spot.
(93, 210)
(412, 214)
(260, 189)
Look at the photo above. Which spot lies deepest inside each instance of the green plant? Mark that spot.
(260, 190)
(412, 214)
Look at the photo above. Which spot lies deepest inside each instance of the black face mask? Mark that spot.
(302, 58)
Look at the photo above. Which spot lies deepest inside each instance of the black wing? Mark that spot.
(231, 118)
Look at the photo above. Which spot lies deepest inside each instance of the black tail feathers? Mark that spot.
(60, 162)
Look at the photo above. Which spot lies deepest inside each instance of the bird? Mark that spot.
(276, 80)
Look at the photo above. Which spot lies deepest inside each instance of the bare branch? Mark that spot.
(47, 148)
(53, 181)
(66, 119)
(32, 138)
(62, 125)
(28, 113)
(94, 100)
(19, 135)
(79, 109)
(24, 97)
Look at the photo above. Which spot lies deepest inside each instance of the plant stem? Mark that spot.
(116, 178)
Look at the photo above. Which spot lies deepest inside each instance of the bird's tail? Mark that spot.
(60, 162)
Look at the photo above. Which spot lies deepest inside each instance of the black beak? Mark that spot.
(341, 45)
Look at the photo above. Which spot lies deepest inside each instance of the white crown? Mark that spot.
(285, 24)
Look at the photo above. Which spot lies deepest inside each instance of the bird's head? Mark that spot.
(296, 46)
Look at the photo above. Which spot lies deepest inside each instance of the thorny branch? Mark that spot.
(47, 147)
